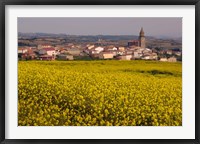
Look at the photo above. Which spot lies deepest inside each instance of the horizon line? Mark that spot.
(99, 34)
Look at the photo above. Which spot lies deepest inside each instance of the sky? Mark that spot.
(168, 27)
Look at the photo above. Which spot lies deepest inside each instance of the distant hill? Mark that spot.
(151, 42)
(82, 37)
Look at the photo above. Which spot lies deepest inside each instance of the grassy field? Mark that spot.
(99, 93)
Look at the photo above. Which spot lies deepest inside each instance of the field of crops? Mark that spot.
(99, 93)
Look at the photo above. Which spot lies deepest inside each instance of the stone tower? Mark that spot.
(142, 39)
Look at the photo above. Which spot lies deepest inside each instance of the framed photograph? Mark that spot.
(99, 72)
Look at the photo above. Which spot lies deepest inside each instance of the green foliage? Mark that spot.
(99, 93)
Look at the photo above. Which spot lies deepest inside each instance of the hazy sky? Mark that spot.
(171, 27)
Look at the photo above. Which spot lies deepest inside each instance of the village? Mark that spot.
(133, 50)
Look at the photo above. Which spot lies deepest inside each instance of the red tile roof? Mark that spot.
(49, 49)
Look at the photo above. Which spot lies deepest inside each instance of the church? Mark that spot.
(140, 42)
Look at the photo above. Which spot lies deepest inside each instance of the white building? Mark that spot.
(163, 59)
(22, 50)
(98, 49)
(50, 51)
(90, 46)
(125, 57)
(106, 55)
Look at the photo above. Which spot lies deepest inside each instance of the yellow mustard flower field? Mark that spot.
(99, 93)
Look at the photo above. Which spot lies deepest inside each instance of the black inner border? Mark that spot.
(3, 4)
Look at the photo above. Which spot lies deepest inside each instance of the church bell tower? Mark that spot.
(142, 39)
